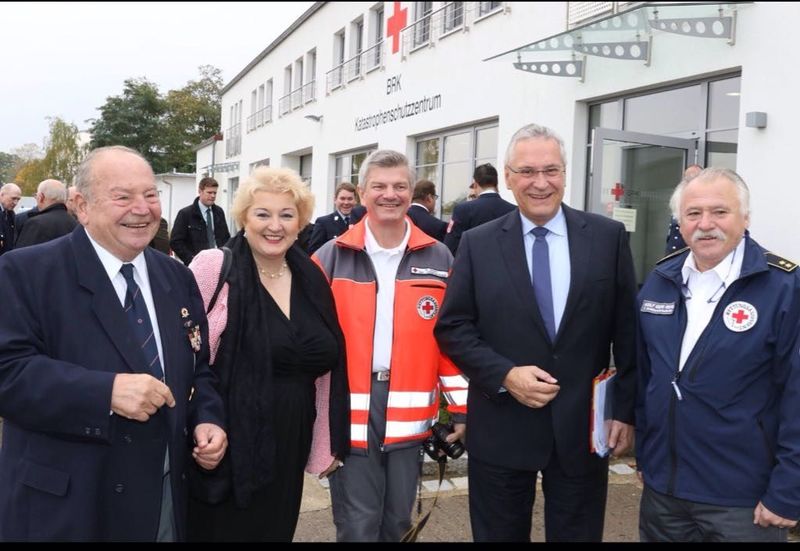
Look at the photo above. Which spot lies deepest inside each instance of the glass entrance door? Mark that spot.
(633, 176)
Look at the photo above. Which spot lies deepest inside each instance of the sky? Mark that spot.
(65, 59)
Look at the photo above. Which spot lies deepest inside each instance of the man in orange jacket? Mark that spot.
(389, 279)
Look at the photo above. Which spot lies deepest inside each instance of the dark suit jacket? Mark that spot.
(328, 227)
(189, 235)
(52, 222)
(490, 322)
(426, 222)
(22, 217)
(8, 234)
(471, 214)
(69, 470)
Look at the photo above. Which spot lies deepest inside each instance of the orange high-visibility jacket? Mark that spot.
(418, 369)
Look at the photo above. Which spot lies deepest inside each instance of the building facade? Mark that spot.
(637, 90)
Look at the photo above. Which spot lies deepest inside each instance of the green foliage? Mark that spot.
(163, 129)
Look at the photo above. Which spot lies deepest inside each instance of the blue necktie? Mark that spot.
(212, 243)
(139, 318)
(541, 280)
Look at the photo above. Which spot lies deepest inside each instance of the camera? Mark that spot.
(437, 441)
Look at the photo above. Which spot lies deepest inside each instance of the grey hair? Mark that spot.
(83, 178)
(53, 190)
(709, 175)
(384, 158)
(535, 132)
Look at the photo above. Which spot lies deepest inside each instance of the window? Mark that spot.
(453, 17)
(488, 7)
(309, 88)
(305, 168)
(356, 47)
(348, 164)
(374, 53)
(449, 159)
(422, 23)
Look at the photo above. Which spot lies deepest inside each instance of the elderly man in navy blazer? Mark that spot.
(535, 303)
(104, 374)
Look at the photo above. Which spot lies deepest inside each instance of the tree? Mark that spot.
(9, 166)
(29, 170)
(62, 156)
(133, 119)
(192, 115)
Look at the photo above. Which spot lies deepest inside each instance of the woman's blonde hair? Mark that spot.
(273, 180)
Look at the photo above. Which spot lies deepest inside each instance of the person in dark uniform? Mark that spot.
(51, 219)
(339, 221)
(675, 241)
(718, 415)
(201, 225)
(422, 204)
(487, 206)
(10, 194)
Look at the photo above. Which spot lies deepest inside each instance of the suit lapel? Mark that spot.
(512, 248)
(105, 302)
(580, 248)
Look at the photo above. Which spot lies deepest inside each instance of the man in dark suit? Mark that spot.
(201, 225)
(10, 194)
(536, 300)
(486, 206)
(422, 204)
(103, 372)
(339, 221)
(51, 219)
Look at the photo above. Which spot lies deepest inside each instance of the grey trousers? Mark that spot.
(667, 518)
(373, 496)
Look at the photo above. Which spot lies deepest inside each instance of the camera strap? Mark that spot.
(416, 528)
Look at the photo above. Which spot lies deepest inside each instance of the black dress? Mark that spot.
(303, 348)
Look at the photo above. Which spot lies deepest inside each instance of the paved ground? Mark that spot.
(450, 520)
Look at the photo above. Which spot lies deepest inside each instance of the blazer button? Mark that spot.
(87, 431)
(97, 432)
(127, 439)
(185, 431)
(183, 476)
(556, 357)
(119, 488)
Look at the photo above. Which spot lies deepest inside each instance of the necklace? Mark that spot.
(275, 275)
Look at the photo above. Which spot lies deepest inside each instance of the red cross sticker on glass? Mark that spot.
(740, 316)
(427, 307)
(395, 24)
(618, 191)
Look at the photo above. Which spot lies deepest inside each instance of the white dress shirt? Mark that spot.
(386, 262)
(703, 290)
(112, 265)
(558, 253)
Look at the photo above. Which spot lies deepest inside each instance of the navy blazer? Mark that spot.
(471, 214)
(189, 234)
(428, 223)
(490, 322)
(330, 227)
(70, 470)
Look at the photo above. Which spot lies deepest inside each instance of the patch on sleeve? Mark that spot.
(658, 308)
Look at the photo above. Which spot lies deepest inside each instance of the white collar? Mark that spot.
(728, 269)
(112, 264)
(372, 245)
(557, 224)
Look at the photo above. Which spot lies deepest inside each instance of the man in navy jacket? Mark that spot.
(718, 407)
(96, 437)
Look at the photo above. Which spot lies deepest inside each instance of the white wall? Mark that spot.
(176, 190)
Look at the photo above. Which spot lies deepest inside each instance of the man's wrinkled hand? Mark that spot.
(138, 396)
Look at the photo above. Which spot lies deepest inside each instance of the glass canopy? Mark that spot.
(626, 36)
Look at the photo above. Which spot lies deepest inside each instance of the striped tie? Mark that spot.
(139, 318)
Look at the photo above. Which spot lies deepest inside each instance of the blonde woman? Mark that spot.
(275, 344)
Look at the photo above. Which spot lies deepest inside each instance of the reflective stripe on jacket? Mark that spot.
(419, 371)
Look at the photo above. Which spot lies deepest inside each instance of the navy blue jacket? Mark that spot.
(69, 470)
(189, 234)
(733, 437)
(471, 214)
(428, 223)
(331, 226)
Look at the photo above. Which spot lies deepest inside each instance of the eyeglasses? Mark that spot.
(529, 173)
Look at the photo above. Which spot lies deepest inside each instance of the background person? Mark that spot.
(10, 194)
(423, 203)
(201, 225)
(52, 219)
(388, 278)
(675, 241)
(339, 221)
(95, 424)
(274, 332)
(536, 301)
(718, 440)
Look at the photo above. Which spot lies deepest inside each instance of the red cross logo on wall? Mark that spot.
(618, 191)
(395, 24)
(740, 316)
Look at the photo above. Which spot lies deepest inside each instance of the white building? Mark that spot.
(637, 91)
(176, 190)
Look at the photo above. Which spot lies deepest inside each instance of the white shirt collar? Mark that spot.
(112, 264)
(727, 270)
(557, 224)
(372, 246)
(420, 205)
(484, 192)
